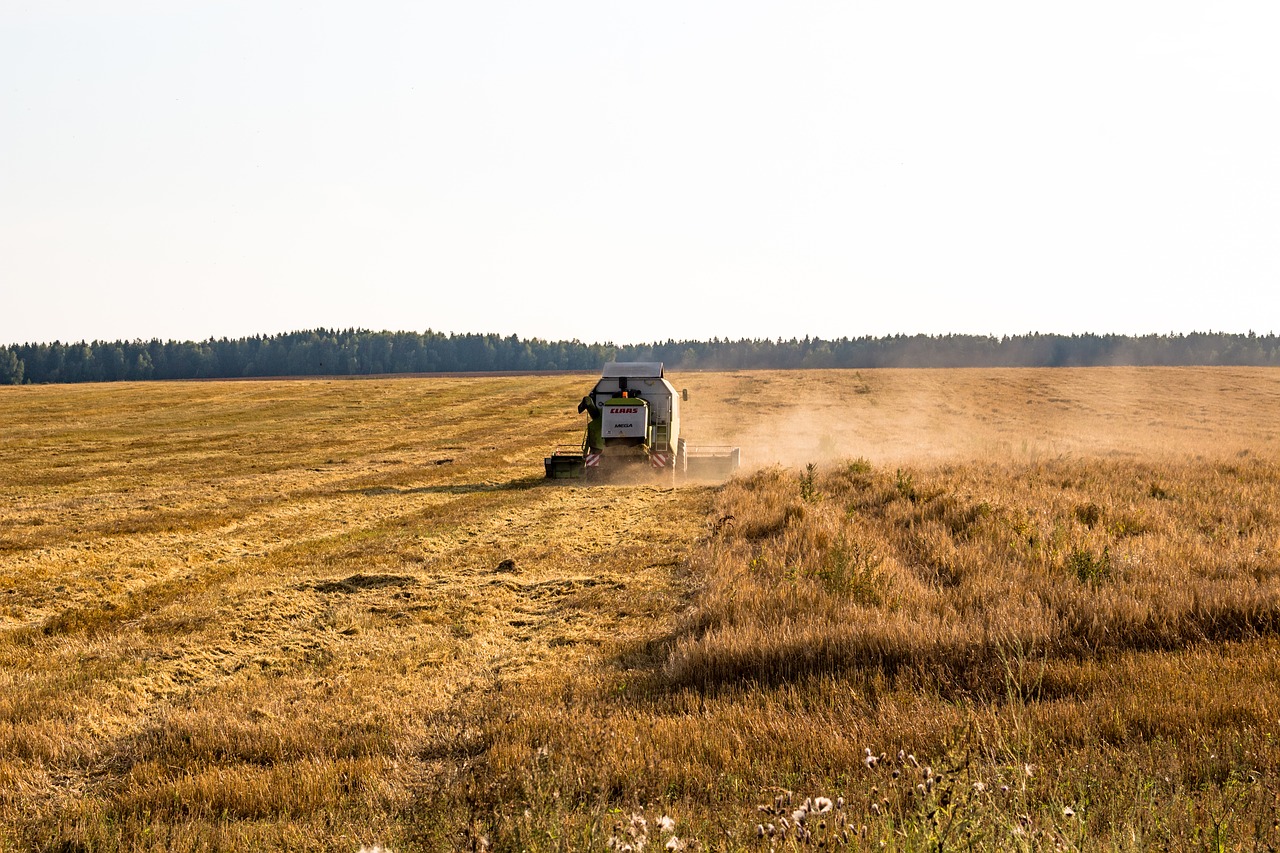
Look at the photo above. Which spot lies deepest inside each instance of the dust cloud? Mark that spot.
(920, 417)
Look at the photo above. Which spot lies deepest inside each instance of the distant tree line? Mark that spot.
(355, 352)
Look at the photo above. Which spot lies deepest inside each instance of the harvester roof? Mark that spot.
(633, 370)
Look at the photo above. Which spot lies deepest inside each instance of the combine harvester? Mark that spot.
(634, 432)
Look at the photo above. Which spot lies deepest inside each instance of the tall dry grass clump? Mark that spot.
(940, 574)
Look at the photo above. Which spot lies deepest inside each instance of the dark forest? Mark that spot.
(361, 352)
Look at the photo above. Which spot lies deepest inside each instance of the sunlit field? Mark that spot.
(1000, 609)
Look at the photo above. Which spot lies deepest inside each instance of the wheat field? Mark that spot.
(1002, 609)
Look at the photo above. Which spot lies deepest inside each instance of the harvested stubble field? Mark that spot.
(1008, 609)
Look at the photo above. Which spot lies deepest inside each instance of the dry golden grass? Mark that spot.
(253, 615)
(259, 614)
(944, 569)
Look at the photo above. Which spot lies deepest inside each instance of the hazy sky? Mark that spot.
(638, 171)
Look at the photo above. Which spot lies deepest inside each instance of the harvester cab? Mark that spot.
(634, 428)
